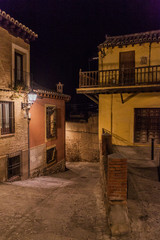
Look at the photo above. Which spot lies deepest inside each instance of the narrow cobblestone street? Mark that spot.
(59, 207)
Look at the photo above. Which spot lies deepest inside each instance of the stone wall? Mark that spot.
(82, 140)
(7, 49)
(14, 144)
(37, 159)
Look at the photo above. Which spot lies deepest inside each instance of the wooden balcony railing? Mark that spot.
(149, 75)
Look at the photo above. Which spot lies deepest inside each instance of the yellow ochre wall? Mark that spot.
(111, 59)
(115, 116)
(119, 118)
(121, 115)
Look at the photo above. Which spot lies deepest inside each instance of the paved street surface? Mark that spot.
(64, 206)
(144, 200)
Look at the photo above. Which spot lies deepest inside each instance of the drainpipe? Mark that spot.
(111, 112)
(28, 119)
(149, 54)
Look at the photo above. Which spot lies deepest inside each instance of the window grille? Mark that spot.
(51, 155)
(147, 125)
(14, 166)
(51, 122)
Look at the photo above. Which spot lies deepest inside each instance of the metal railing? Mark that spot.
(120, 77)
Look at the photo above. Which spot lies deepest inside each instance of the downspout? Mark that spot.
(149, 54)
(65, 168)
(111, 113)
(28, 119)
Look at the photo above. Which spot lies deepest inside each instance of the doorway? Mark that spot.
(127, 68)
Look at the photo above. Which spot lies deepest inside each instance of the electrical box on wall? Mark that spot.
(143, 60)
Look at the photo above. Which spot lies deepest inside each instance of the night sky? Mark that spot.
(70, 31)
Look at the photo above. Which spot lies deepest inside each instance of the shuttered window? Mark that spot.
(51, 122)
(147, 125)
(19, 79)
(7, 120)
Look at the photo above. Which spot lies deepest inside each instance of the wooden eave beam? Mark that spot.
(92, 98)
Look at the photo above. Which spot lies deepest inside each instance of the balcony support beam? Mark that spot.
(93, 98)
(127, 98)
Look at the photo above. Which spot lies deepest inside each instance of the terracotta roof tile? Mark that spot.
(16, 28)
(131, 39)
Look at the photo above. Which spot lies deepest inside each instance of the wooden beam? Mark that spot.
(92, 98)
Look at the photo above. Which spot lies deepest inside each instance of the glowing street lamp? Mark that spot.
(32, 96)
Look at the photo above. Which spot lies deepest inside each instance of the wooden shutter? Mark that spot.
(11, 117)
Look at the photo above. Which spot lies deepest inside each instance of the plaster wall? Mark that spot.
(111, 59)
(38, 140)
(118, 118)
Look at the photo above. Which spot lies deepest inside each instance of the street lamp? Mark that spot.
(32, 96)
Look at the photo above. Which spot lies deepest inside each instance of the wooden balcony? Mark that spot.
(120, 80)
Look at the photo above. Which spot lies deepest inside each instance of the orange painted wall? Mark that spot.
(38, 125)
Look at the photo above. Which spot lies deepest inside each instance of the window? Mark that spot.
(51, 122)
(19, 81)
(51, 155)
(20, 67)
(6, 117)
(14, 166)
(147, 125)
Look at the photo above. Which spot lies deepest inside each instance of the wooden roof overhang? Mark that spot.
(93, 93)
(52, 95)
(16, 28)
(130, 39)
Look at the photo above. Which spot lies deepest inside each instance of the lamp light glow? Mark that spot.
(32, 96)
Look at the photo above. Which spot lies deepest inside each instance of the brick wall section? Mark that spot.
(82, 142)
(117, 180)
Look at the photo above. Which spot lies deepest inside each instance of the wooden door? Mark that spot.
(127, 68)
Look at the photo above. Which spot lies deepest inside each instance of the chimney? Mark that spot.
(60, 87)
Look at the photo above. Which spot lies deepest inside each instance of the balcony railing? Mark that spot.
(149, 75)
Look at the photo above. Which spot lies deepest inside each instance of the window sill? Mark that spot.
(51, 163)
(7, 135)
(51, 139)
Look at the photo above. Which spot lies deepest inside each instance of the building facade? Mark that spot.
(127, 88)
(14, 85)
(47, 132)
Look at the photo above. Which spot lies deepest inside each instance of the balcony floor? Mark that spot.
(119, 89)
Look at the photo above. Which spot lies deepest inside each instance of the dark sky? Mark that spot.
(70, 31)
